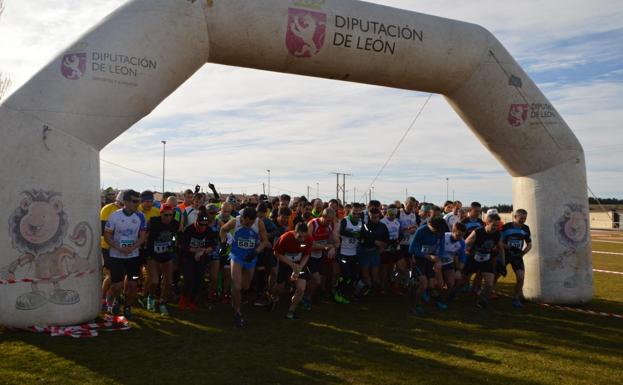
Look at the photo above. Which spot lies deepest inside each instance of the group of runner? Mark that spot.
(259, 249)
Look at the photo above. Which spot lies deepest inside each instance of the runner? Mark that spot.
(188, 200)
(473, 221)
(266, 259)
(249, 239)
(214, 258)
(482, 245)
(375, 238)
(161, 251)
(226, 214)
(350, 234)
(452, 260)
(326, 241)
(189, 216)
(391, 254)
(293, 250)
(104, 215)
(199, 244)
(517, 243)
(125, 232)
(426, 247)
(453, 216)
(409, 223)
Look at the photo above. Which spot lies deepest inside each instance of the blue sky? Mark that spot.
(229, 125)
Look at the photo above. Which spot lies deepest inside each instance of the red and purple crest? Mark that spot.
(306, 32)
(74, 65)
(518, 114)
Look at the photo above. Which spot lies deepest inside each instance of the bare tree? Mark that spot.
(5, 82)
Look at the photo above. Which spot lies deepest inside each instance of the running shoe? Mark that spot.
(517, 303)
(226, 299)
(183, 304)
(238, 320)
(261, 302)
(417, 310)
(441, 305)
(151, 303)
(426, 296)
(340, 298)
(306, 302)
(127, 312)
(292, 315)
(163, 310)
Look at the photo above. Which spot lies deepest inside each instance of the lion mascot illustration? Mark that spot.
(38, 228)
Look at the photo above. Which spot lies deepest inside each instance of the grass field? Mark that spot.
(374, 342)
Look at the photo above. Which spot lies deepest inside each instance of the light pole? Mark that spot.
(164, 153)
(317, 190)
(447, 188)
(268, 183)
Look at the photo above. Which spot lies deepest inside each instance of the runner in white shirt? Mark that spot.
(125, 232)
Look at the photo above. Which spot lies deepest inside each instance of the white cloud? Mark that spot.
(228, 125)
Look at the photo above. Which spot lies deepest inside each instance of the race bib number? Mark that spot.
(352, 241)
(245, 243)
(482, 257)
(126, 243)
(428, 249)
(515, 244)
(445, 260)
(196, 243)
(161, 247)
(294, 257)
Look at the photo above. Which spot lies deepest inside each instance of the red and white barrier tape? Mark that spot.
(86, 330)
(48, 279)
(572, 309)
(608, 271)
(583, 311)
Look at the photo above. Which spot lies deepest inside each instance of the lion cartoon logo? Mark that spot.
(572, 227)
(38, 228)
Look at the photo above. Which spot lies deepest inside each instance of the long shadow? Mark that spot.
(375, 342)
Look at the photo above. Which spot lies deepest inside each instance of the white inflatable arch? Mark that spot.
(55, 125)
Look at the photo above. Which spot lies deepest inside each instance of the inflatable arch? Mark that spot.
(55, 125)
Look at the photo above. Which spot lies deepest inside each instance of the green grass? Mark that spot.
(375, 342)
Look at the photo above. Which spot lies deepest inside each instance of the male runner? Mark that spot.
(517, 243)
(482, 246)
(293, 250)
(125, 232)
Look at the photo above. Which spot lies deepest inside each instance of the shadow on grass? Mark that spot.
(375, 342)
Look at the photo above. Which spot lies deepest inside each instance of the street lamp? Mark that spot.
(164, 153)
(447, 188)
(268, 183)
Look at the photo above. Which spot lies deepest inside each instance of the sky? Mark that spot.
(229, 125)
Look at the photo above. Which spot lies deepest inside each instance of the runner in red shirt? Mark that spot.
(293, 250)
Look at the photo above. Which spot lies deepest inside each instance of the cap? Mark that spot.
(492, 211)
(166, 207)
(119, 197)
(212, 208)
(202, 218)
(263, 197)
